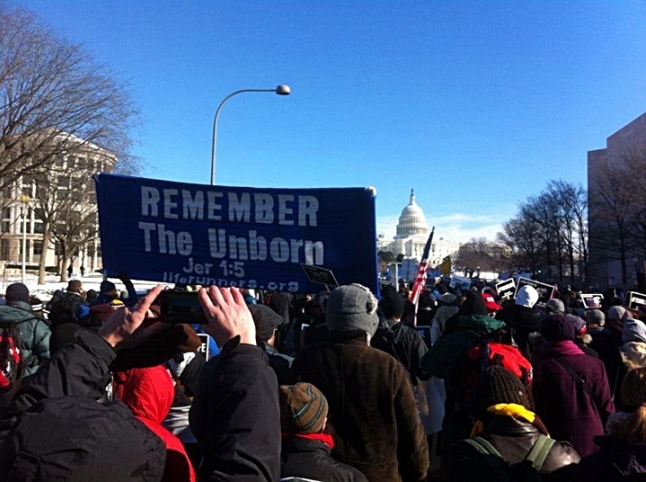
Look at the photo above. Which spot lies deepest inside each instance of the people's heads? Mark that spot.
(449, 299)
(91, 295)
(17, 292)
(633, 331)
(266, 321)
(580, 327)
(36, 304)
(633, 395)
(303, 409)
(490, 303)
(391, 304)
(75, 286)
(526, 296)
(555, 306)
(497, 385)
(473, 304)
(352, 307)
(558, 328)
(595, 318)
(108, 288)
(616, 316)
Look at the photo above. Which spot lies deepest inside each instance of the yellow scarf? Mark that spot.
(509, 410)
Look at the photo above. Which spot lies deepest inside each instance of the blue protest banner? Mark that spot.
(235, 236)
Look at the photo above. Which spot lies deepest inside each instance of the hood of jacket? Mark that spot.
(16, 312)
(480, 323)
(633, 354)
(148, 392)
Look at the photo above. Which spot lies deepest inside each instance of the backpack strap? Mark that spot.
(539, 451)
(495, 460)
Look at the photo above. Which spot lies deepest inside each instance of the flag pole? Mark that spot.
(420, 278)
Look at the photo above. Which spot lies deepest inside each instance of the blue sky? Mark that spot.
(474, 104)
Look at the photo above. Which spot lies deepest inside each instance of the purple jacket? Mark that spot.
(566, 409)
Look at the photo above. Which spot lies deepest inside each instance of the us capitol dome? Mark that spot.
(412, 221)
(412, 234)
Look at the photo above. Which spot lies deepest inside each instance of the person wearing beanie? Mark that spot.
(622, 453)
(571, 389)
(555, 306)
(582, 339)
(506, 423)
(373, 416)
(306, 446)
(523, 321)
(449, 359)
(404, 343)
(34, 331)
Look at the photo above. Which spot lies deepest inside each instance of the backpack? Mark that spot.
(65, 309)
(525, 471)
(11, 349)
(487, 353)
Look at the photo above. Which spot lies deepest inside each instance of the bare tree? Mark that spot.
(56, 100)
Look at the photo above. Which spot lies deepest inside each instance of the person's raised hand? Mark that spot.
(124, 321)
(227, 315)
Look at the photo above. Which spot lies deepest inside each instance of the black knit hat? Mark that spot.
(473, 304)
(17, 292)
(266, 321)
(497, 385)
(391, 303)
(303, 408)
(558, 328)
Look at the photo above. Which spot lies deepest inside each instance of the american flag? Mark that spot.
(420, 278)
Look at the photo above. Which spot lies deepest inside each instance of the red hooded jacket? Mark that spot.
(149, 393)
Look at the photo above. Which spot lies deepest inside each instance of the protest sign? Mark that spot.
(545, 291)
(235, 236)
(204, 345)
(636, 300)
(591, 300)
(460, 282)
(320, 275)
(506, 289)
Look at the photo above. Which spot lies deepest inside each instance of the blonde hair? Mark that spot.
(633, 394)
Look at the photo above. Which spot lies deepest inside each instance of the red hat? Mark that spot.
(490, 302)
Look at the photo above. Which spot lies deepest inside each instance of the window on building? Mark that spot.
(6, 213)
(38, 248)
(27, 246)
(39, 227)
(5, 226)
(4, 249)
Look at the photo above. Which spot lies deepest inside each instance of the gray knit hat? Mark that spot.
(595, 317)
(555, 305)
(352, 307)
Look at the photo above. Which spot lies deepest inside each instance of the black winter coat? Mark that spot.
(51, 426)
(236, 418)
(513, 439)
(616, 461)
(522, 321)
(405, 344)
(311, 459)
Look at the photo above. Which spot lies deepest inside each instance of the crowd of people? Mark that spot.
(334, 386)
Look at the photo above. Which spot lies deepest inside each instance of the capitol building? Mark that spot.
(412, 234)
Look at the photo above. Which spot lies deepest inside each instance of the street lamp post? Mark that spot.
(280, 90)
(24, 199)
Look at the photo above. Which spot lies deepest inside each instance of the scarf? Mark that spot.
(326, 438)
(511, 410)
(553, 349)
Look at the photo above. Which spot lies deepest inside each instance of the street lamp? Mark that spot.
(24, 199)
(280, 90)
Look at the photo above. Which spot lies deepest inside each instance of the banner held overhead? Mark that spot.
(235, 236)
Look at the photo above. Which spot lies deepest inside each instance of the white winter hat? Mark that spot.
(526, 296)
